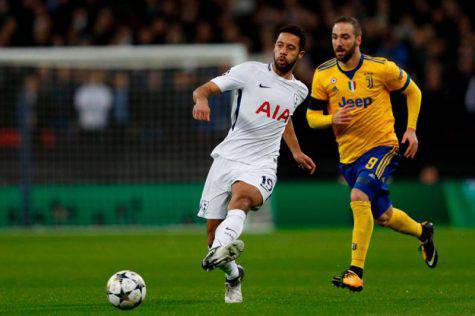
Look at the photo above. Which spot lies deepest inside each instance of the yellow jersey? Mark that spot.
(366, 88)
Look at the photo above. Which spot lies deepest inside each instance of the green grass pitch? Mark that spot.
(288, 272)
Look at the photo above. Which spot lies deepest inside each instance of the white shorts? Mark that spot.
(223, 174)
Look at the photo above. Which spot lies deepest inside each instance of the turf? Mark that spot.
(288, 272)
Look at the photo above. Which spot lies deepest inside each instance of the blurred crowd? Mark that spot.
(122, 106)
(433, 40)
(74, 122)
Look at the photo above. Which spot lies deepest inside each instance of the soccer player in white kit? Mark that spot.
(243, 173)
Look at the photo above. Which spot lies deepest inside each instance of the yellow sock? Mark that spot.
(402, 223)
(362, 230)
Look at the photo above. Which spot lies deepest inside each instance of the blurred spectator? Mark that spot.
(429, 175)
(123, 36)
(77, 31)
(120, 109)
(62, 112)
(41, 26)
(204, 33)
(103, 28)
(392, 47)
(8, 23)
(150, 106)
(26, 103)
(93, 101)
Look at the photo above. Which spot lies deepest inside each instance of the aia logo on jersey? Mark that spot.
(272, 112)
(358, 102)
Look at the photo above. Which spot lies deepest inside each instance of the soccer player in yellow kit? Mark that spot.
(351, 93)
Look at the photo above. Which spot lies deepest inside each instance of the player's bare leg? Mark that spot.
(226, 247)
(223, 236)
(234, 273)
(211, 225)
(230, 268)
(399, 221)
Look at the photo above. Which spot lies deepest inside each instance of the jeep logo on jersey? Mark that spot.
(358, 102)
(273, 112)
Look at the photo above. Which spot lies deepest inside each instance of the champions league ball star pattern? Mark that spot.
(126, 289)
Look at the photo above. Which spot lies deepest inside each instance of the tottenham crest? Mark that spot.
(296, 99)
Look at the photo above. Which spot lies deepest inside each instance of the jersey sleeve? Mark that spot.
(395, 78)
(233, 79)
(302, 96)
(318, 90)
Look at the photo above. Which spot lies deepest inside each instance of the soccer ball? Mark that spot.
(126, 289)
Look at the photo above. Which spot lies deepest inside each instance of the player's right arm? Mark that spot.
(233, 79)
(316, 117)
(201, 110)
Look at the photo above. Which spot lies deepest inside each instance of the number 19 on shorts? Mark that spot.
(267, 183)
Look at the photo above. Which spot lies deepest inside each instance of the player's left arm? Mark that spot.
(413, 98)
(398, 80)
(292, 142)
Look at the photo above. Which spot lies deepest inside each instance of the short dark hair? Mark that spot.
(295, 30)
(352, 21)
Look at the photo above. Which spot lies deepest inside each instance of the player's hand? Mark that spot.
(305, 162)
(411, 137)
(344, 116)
(201, 111)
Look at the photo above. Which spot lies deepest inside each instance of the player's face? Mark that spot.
(287, 52)
(344, 41)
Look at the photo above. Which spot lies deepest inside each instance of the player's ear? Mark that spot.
(301, 54)
(358, 40)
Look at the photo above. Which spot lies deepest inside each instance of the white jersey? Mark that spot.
(263, 104)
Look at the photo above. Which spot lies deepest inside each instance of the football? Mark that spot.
(126, 289)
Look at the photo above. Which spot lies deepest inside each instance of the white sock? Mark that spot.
(230, 229)
(231, 270)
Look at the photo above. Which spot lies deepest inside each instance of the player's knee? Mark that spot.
(242, 202)
(384, 219)
(358, 195)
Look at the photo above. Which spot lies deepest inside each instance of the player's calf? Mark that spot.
(400, 221)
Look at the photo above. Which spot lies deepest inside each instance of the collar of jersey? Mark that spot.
(351, 73)
(271, 69)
